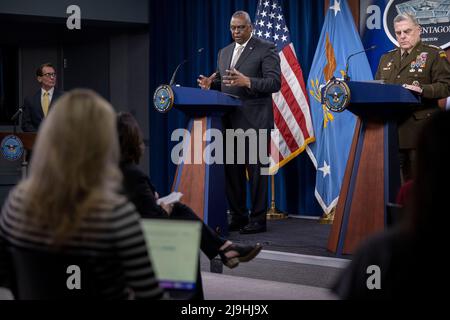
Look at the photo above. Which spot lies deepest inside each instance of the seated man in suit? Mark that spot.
(36, 107)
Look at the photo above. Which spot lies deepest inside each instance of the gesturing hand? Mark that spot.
(236, 79)
(205, 82)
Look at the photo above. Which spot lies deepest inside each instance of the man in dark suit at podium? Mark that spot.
(250, 69)
(36, 107)
(421, 68)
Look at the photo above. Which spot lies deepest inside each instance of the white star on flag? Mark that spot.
(276, 37)
(260, 33)
(280, 17)
(336, 7)
(266, 4)
(278, 27)
(325, 169)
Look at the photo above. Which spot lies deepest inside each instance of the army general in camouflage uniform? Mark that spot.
(421, 68)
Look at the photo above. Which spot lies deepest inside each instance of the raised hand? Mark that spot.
(205, 82)
(234, 78)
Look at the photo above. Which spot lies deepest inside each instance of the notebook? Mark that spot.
(173, 246)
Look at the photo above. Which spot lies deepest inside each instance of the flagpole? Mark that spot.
(273, 213)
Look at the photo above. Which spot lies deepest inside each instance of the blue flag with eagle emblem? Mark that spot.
(334, 131)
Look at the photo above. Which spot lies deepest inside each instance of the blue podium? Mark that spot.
(372, 176)
(200, 173)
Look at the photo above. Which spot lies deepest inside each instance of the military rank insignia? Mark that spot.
(420, 62)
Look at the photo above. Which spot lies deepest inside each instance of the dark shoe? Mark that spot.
(253, 227)
(236, 225)
(243, 253)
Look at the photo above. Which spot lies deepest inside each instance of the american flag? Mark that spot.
(291, 110)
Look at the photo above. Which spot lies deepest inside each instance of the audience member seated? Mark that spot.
(404, 193)
(142, 193)
(404, 262)
(69, 205)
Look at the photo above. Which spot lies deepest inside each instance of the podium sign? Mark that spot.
(202, 182)
(372, 175)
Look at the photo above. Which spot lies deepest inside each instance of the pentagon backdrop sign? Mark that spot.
(12, 148)
(163, 98)
(433, 16)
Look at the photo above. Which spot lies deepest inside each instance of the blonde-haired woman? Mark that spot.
(70, 203)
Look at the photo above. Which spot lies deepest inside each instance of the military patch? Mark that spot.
(423, 57)
(414, 65)
(442, 54)
(420, 62)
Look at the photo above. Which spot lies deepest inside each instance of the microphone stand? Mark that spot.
(172, 80)
(346, 77)
(15, 118)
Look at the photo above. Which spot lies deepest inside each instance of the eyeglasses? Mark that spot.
(49, 74)
(239, 28)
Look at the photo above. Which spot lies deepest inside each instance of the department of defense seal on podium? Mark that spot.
(163, 98)
(12, 148)
(336, 95)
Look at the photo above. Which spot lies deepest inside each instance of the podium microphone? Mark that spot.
(347, 78)
(172, 80)
(16, 115)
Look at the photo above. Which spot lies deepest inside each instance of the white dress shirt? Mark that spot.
(235, 51)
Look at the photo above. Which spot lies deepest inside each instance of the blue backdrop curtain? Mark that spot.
(177, 29)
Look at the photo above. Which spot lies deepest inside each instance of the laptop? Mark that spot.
(174, 247)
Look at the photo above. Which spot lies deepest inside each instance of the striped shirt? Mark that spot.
(115, 237)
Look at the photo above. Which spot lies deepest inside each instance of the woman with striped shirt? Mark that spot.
(70, 205)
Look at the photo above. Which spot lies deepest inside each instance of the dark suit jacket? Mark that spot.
(32, 110)
(260, 62)
(139, 190)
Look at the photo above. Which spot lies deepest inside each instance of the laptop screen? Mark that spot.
(173, 246)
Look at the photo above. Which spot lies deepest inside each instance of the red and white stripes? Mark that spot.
(292, 117)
